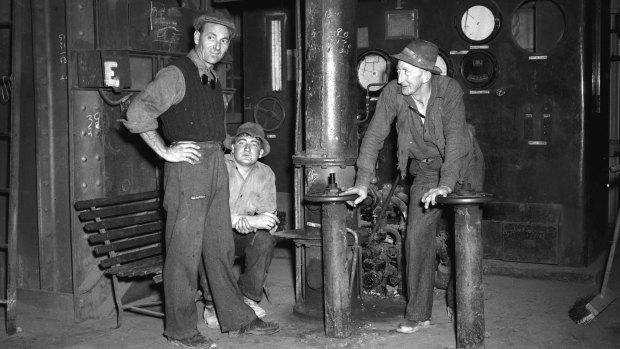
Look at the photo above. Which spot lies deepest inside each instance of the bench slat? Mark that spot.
(122, 199)
(129, 243)
(112, 235)
(119, 210)
(143, 267)
(141, 271)
(131, 256)
(122, 221)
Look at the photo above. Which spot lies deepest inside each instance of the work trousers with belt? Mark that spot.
(420, 243)
(198, 226)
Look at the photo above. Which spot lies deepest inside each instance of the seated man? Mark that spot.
(252, 211)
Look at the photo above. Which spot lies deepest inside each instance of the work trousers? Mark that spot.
(420, 241)
(198, 225)
(257, 249)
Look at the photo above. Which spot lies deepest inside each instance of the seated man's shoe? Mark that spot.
(260, 312)
(257, 327)
(210, 318)
(411, 326)
(196, 342)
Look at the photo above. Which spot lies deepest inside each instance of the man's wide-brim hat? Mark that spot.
(420, 53)
(219, 16)
(254, 130)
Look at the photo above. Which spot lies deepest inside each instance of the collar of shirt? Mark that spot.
(203, 68)
(431, 100)
(230, 158)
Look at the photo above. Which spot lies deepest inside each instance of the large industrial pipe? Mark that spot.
(468, 260)
(330, 150)
(331, 132)
(470, 294)
(337, 300)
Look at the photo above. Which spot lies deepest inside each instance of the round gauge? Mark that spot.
(373, 70)
(443, 64)
(479, 23)
(538, 27)
(479, 69)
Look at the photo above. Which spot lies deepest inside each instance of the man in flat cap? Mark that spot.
(187, 98)
(444, 155)
(253, 205)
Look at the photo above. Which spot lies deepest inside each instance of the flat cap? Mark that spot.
(217, 16)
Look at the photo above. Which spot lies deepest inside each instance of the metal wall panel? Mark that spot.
(106, 159)
(50, 59)
(537, 122)
(141, 25)
(81, 31)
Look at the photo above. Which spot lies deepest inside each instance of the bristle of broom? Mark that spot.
(579, 313)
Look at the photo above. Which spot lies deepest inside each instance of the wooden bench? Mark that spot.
(127, 230)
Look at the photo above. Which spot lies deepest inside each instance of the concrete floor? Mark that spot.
(519, 313)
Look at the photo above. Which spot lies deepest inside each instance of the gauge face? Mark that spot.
(372, 71)
(442, 64)
(479, 23)
(479, 69)
(538, 28)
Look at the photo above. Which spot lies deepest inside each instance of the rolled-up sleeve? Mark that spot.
(266, 201)
(166, 90)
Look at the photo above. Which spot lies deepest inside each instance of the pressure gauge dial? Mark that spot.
(373, 70)
(443, 63)
(479, 69)
(479, 23)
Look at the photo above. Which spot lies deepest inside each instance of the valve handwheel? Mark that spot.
(269, 113)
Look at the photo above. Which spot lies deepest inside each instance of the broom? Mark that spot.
(586, 309)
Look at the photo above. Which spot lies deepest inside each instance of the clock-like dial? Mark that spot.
(373, 70)
(479, 23)
(479, 69)
(442, 64)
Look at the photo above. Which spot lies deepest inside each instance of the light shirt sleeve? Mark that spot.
(166, 90)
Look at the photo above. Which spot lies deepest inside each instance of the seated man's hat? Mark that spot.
(254, 130)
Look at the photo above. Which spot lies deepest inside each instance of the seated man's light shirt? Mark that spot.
(253, 195)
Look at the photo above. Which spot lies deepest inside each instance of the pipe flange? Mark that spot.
(329, 197)
(465, 199)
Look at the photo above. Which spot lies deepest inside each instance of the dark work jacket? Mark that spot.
(444, 134)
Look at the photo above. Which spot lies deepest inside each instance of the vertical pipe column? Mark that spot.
(330, 62)
(468, 260)
(469, 291)
(336, 299)
(336, 296)
(330, 147)
(51, 93)
(11, 251)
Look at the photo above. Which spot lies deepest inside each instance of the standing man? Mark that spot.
(187, 98)
(432, 131)
(252, 202)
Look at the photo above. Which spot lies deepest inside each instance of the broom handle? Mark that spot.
(610, 259)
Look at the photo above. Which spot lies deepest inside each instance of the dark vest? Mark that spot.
(199, 117)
